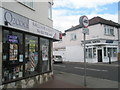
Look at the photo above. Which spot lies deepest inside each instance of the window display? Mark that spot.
(23, 56)
(45, 54)
(12, 68)
(31, 54)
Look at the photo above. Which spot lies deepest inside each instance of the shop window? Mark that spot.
(114, 52)
(31, 55)
(12, 55)
(94, 52)
(105, 51)
(44, 47)
(89, 53)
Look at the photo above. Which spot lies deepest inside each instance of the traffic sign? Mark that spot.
(85, 31)
(84, 21)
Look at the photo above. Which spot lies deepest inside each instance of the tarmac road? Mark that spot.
(102, 71)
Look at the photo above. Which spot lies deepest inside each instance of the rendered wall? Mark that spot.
(39, 13)
(0, 55)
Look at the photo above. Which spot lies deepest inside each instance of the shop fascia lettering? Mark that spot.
(94, 41)
(15, 20)
(43, 30)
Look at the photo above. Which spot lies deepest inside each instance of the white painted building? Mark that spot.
(26, 42)
(102, 38)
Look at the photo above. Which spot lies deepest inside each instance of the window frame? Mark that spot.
(50, 10)
(73, 37)
(27, 5)
(109, 30)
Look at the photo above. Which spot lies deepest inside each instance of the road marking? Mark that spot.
(78, 67)
(92, 69)
(59, 66)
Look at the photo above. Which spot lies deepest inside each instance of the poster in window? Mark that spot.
(31, 45)
(20, 58)
(13, 51)
(44, 53)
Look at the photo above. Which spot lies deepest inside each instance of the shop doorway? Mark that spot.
(99, 55)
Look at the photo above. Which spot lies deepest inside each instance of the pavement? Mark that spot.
(57, 83)
(68, 80)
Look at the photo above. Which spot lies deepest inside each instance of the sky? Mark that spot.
(66, 13)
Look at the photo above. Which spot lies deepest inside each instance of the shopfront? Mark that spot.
(101, 50)
(26, 47)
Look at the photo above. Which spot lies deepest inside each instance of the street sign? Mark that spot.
(85, 31)
(84, 21)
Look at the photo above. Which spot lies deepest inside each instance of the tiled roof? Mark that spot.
(96, 20)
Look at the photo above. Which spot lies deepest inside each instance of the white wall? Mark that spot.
(39, 13)
(74, 54)
(74, 50)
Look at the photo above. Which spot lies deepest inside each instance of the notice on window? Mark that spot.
(44, 53)
(20, 58)
(32, 46)
(13, 51)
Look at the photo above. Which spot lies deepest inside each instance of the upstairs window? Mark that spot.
(28, 3)
(73, 36)
(50, 10)
(108, 30)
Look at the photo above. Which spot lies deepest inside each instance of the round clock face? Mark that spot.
(85, 21)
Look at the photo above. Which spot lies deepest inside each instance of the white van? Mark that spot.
(57, 58)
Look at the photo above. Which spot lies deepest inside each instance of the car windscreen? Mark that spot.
(58, 57)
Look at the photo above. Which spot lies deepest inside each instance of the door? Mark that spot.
(99, 55)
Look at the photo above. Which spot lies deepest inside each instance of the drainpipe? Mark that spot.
(118, 44)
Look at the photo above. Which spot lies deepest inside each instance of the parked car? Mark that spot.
(57, 59)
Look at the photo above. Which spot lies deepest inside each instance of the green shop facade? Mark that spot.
(25, 51)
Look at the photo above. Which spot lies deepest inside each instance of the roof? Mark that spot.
(95, 20)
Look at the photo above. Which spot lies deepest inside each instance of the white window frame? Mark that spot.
(108, 30)
(73, 37)
(27, 3)
(50, 10)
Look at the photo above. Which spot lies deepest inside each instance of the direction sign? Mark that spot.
(85, 31)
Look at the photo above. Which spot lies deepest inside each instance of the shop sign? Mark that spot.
(43, 30)
(15, 20)
(94, 41)
(109, 41)
(12, 39)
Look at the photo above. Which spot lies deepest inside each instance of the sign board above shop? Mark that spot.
(15, 20)
(43, 30)
(22, 23)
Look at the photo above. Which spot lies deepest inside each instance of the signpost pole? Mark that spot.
(84, 22)
(84, 61)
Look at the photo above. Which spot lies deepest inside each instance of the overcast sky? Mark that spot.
(66, 13)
